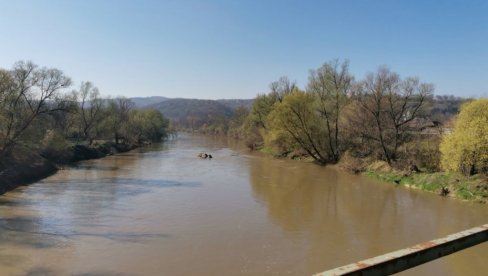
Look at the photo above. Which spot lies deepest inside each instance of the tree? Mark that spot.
(237, 122)
(280, 88)
(260, 110)
(117, 117)
(147, 125)
(297, 117)
(90, 109)
(263, 104)
(466, 148)
(331, 85)
(65, 119)
(256, 124)
(27, 92)
(388, 104)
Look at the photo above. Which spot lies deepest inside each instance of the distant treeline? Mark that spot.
(209, 116)
(38, 111)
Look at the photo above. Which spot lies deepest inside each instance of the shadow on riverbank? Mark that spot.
(25, 166)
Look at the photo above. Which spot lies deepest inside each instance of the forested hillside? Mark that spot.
(145, 101)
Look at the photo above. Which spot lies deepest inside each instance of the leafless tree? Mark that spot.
(331, 85)
(119, 116)
(280, 88)
(27, 95)
(390, 103)
(90, 111)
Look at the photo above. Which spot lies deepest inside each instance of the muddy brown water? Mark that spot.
(163, 211)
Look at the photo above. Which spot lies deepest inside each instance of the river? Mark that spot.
(163, 211)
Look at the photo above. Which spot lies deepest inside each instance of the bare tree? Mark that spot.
(118, 116)
(391, 104)
(280, 88)
(90, 111)
(331, 85)
(28, 96)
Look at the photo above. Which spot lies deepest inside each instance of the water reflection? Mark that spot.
(163, 211)
(346, 218)
(83, 202)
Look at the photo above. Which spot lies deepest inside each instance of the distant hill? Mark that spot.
(192, 112)
(235, 103)
(232, 103)
(145, 101)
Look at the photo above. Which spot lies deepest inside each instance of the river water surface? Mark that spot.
(163, 211)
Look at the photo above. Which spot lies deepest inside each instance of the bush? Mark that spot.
(54, 147)
(424, 153)
(466, 148)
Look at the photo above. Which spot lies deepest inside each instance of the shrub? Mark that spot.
(466, 148)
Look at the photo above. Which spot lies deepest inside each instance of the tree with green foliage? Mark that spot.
(263, 104)
(297, 117)
(466, 148)
(146, 125)
(256, 124)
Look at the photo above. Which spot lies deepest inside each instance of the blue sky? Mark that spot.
(234, 49)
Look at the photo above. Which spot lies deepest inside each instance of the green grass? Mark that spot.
(473, 188)
(269, 151)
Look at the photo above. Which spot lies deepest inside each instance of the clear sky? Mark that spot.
(234, 49)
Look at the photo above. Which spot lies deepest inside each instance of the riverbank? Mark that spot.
(469, 188)
(448, 184)
(25, 166)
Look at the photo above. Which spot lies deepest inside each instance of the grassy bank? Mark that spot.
(450, 184)
(472, 188)
(455, 185)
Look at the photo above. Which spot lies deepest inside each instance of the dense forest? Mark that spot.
(41, 113)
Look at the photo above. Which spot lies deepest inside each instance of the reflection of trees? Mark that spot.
(91, 186)
(292, 201)
(345, 218)
(66, 204)
(339, 216)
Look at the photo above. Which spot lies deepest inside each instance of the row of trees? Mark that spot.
(335, 113)
(380, 117)
(36, 101)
